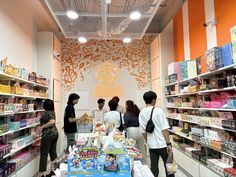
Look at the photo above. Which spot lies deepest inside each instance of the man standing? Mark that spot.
(98, 113)
(158, 141)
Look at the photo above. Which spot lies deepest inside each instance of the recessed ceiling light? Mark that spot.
(108, 1)
(127, 40)
(82, 40)
(72, 14)
(135, 15)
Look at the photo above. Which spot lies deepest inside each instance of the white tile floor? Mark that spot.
(162, 170)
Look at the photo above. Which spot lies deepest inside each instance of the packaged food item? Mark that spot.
(214, 59)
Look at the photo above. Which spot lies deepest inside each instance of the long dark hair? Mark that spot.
(133, 108)
(72, 97)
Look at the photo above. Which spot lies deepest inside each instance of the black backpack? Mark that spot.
(121, 127)
(150, 125)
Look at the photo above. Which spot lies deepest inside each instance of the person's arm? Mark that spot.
(164, 127)
(77, 118)
(142, 126)
(49, 124)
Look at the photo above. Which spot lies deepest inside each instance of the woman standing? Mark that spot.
(49, 135)
(131, 125)
(70, 126)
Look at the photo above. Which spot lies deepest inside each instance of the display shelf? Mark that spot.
(217, 90)
(187, 80)
(41, 85)
(187, 94)
(189, 138)
(171, 84)
(195, 160)
(22, 96)
(23, 128)
(14, 78)
(209, 73)
(169, 96)
(23, 112)
(203, 125)
(13, 151)
(202, 109)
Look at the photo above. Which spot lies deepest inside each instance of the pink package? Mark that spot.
(217, 104)
(206, 104)
(226, 115)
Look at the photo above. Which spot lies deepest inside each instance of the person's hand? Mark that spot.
(169, 149)
(40, 128)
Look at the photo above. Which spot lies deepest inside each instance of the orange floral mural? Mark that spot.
(78, 58)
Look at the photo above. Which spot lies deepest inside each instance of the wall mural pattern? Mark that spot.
(78, 58)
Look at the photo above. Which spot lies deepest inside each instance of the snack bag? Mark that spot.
(171, 166)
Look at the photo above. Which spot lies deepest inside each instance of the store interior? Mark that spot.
(183, 50)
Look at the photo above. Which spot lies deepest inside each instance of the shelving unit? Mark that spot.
(5, 117)
(203, 125)
(188, 137)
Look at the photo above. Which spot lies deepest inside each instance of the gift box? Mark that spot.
(227, 54)
(233, 40)
(14, 125)
(192, 68)
(172, 68)
(173, 78)
(214, 59)
(183, 70)
(230, 124)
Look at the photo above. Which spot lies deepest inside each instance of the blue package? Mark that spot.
(227, 54)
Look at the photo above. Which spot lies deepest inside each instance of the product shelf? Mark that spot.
(22, 112)
(170, 96)
(195, 160)
(10, 77)
(189, 138)
(203, 125)
(23, 128)
(202, 109)
(13, 151)
(22, 96)
(171, 84)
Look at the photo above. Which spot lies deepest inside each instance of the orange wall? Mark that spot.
(226, 18)
(178, 36)
(197, 33)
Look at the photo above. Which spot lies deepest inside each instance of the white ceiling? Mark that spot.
(99, 20)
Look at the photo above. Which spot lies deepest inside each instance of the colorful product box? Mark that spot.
(192, 68)
(93, 162)
(233, 40)
(227, 54)
(183, 70)
(214, 59)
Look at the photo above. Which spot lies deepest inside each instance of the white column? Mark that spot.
(210, 30)
(186, 31)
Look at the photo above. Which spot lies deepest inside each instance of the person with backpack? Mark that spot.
(154, 126)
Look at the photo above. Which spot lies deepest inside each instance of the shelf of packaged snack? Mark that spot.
(190, 138)
(13, 151)
(10, 77)
(202, 109)
(171, 84)
(23, 112)
(187, 94)
(17, 170)
(203, 125)
(180, 150)
(22, 96)
(23, 128)
(169, 96)
(185, 81)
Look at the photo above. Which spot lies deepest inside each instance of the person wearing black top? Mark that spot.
(49, 136)
(131, 124)
(70, 126)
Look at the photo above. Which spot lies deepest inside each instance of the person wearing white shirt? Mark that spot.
(99, 112)
(158, 141)
(113, 118)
